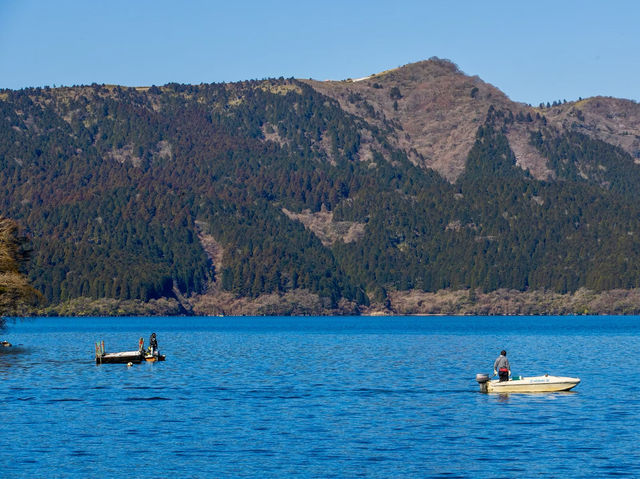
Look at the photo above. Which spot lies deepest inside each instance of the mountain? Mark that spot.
(285, 196)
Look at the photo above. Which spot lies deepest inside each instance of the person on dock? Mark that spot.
(501, 367)
(153, 344)
(141, 345)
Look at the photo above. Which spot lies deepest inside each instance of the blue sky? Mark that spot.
(534, 51)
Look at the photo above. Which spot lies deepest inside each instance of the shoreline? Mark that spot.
(398, 303)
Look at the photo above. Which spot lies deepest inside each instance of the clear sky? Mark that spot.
(533, 50)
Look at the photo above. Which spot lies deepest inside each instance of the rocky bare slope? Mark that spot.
(434, 111)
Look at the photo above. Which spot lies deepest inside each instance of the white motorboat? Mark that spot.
(534, 384)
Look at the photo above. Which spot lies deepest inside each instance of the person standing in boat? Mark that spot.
(501, 367)
(153, 345)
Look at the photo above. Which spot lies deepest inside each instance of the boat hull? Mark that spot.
(535, 384)
(152, 359)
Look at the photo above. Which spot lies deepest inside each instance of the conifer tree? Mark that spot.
(15, 292)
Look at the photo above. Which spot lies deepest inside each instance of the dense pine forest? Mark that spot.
(120, 191)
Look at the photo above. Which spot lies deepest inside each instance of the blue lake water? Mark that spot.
(319, 397)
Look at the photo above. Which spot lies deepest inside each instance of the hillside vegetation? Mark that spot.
(303, 197)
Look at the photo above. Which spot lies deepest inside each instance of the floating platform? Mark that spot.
(125, 357)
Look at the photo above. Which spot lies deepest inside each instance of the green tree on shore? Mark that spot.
(16, 294)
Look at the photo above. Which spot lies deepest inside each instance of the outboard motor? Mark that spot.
(482, 379)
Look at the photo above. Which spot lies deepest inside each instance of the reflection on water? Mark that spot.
(318, 397)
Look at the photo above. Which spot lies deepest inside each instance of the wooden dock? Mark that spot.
(124, 357)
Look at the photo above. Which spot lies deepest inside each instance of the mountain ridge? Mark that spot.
(450, 119)
(332, 196)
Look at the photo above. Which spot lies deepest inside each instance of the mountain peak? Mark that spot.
(418, 71)
(437, 107)
(415, 72)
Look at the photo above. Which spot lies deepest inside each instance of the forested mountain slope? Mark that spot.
(419, 178)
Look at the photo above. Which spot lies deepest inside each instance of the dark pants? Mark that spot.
(503, 375)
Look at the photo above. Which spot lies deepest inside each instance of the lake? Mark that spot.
(319, 397)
